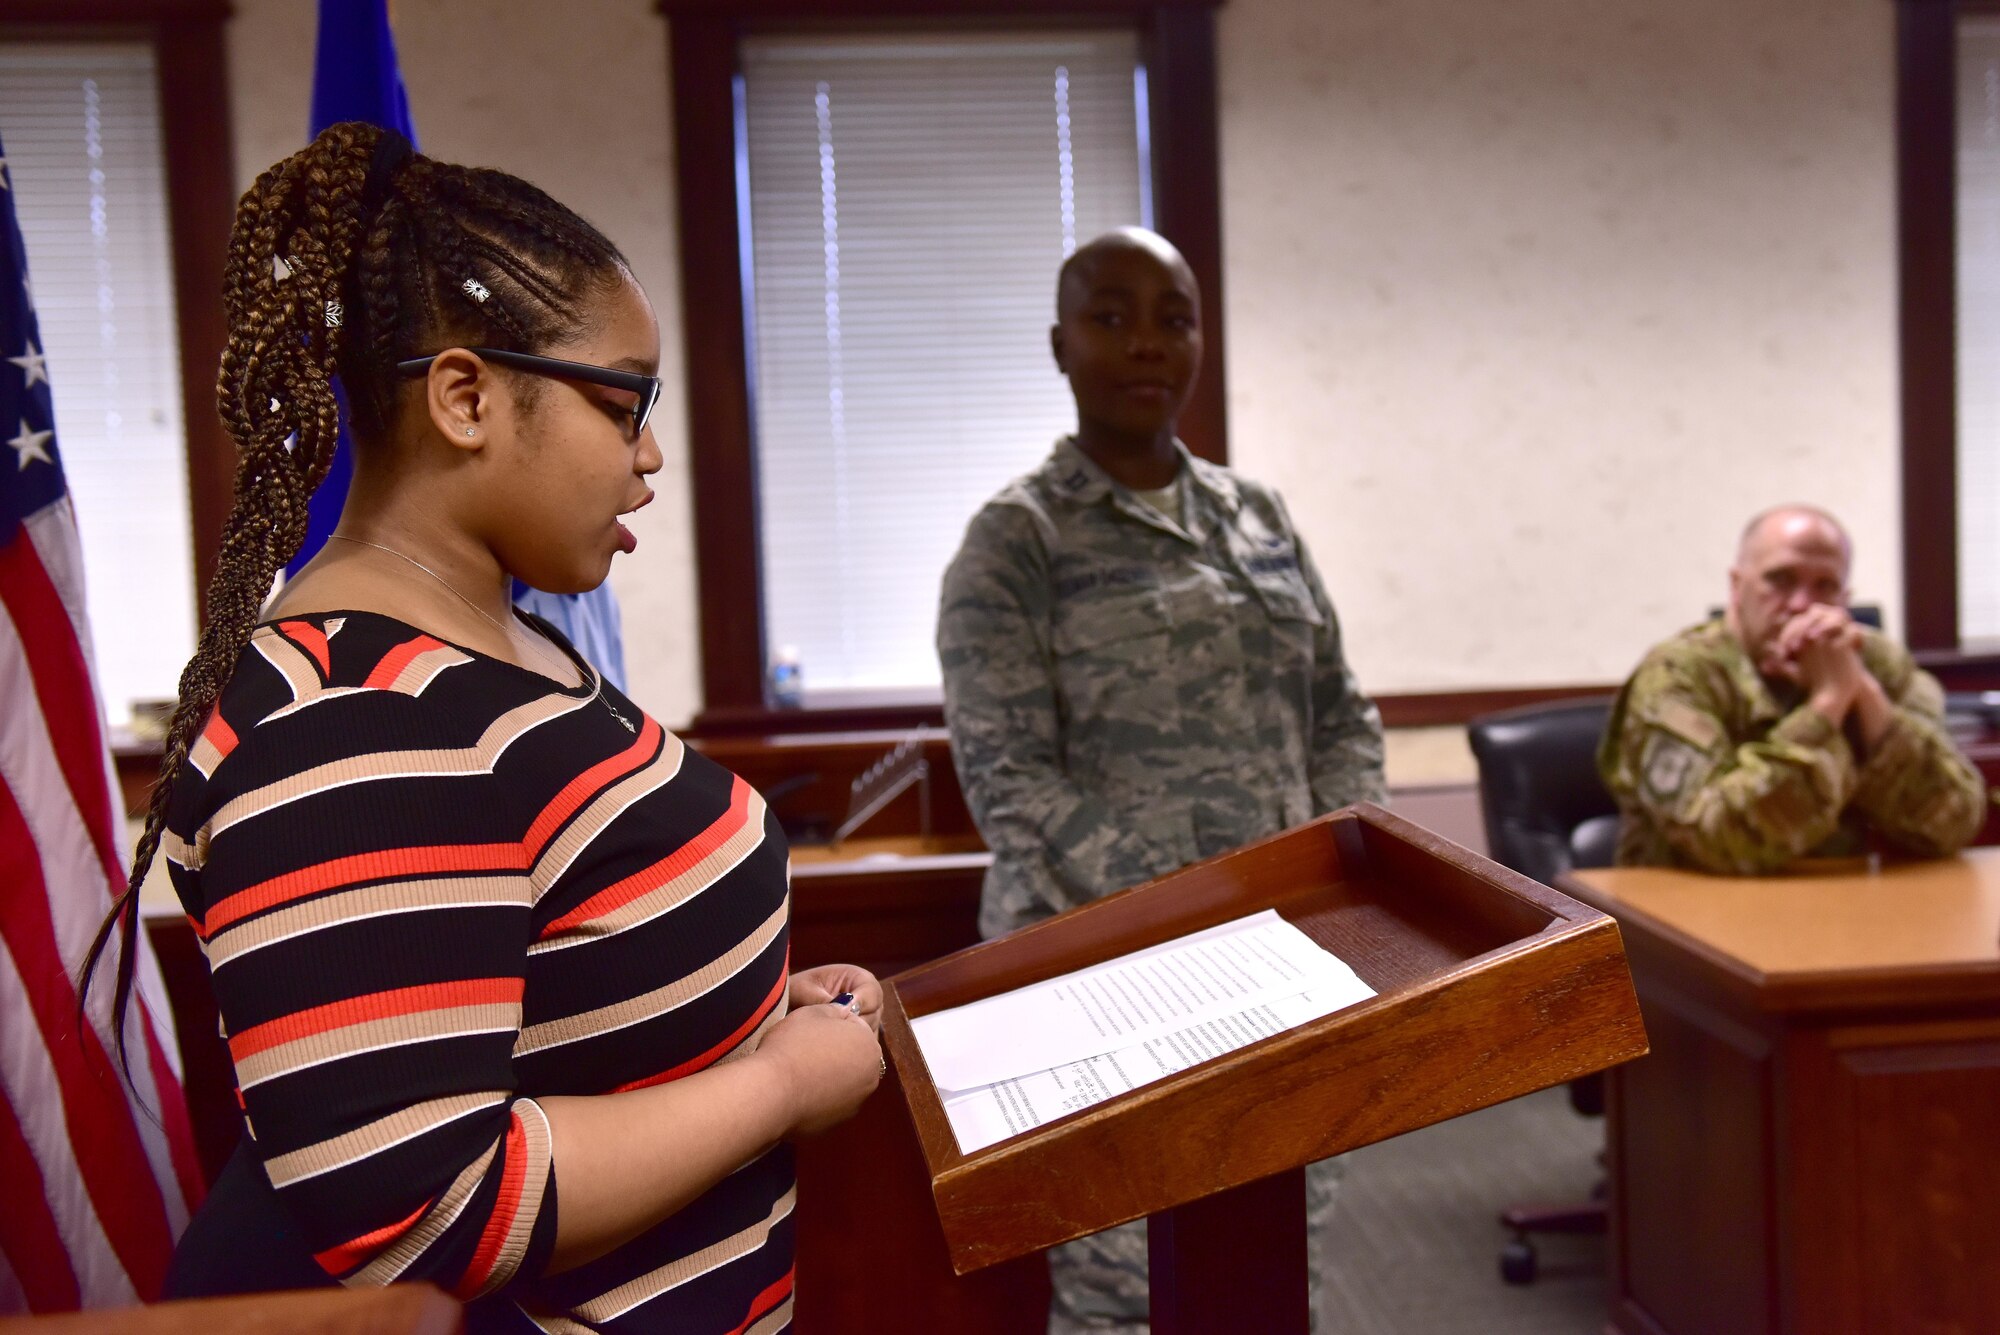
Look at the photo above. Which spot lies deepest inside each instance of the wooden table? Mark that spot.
(1813, 1146)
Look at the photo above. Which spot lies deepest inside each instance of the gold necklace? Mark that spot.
(597, 695)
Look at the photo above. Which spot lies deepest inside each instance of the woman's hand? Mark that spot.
(829, 1059)
(816, 987)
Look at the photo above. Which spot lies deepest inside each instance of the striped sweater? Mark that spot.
(433, 887)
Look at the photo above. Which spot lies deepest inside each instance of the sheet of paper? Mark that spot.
(982, 1117)
(1126, 1002)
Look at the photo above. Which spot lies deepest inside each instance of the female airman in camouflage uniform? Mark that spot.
(1141, 667)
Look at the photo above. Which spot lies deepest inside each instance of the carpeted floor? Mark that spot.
(1417, 1238)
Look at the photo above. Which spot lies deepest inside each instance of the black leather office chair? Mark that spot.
(1546, 811)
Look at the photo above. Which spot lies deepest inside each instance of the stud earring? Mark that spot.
(468, 431)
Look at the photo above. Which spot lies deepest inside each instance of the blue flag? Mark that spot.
(356, 78)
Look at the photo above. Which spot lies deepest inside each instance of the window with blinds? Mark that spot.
(906, 203)
(81, 126)
(1979, 329)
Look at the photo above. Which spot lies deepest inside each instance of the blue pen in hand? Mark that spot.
(845, 999)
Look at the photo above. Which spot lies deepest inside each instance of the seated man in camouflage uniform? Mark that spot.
(1784, 729)
(1141, 667)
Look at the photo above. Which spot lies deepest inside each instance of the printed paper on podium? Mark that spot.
(1010, 1062)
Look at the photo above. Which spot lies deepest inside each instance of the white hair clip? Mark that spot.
(280, 270)
(333, 314)
(476, 290)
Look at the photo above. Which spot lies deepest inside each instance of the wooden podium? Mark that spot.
(1489, 986)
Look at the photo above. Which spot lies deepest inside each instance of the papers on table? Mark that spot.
(1009, 1063)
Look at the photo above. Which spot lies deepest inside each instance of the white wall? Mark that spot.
(1529, 304)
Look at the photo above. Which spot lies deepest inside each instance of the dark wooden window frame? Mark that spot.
(1177, 41)
(1927, 266)
(187, 35)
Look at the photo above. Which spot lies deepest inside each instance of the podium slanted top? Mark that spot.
(1489, 986)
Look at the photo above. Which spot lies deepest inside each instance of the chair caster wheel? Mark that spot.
(1517, 1262)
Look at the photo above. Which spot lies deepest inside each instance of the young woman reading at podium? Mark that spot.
(1141, 667)
(502, 964)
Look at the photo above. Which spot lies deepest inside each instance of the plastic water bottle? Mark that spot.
(787, 678)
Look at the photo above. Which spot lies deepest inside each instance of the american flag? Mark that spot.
(96, 1179)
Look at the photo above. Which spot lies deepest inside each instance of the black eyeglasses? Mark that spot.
(647, 387)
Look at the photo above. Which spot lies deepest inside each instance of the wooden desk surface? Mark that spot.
(1914, 932)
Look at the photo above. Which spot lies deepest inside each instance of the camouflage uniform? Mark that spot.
(1715, 767)
(1126, 695)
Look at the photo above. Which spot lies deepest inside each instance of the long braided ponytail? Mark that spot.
(346, 257)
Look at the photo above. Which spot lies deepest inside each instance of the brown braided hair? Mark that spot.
(420, 255)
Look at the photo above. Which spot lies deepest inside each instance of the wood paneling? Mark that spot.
(1232, 1261)
(885, 915)
(871, 1255)
(1691, 1249)
(1959, 671)
(1441, 709)
(1923, 1180)
(1413, 709)
(1903, 1109)
(753, 721)
(806, 779)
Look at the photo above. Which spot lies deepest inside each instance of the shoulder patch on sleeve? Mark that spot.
(1669, 764)
(1684, 721)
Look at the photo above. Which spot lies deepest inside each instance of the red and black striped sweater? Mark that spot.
(433, 887)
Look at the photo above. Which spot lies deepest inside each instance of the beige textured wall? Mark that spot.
(1529, 304)
(573, 97)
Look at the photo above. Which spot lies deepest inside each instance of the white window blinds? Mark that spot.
(1979, 329)
(909, 200)
(81, 125)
